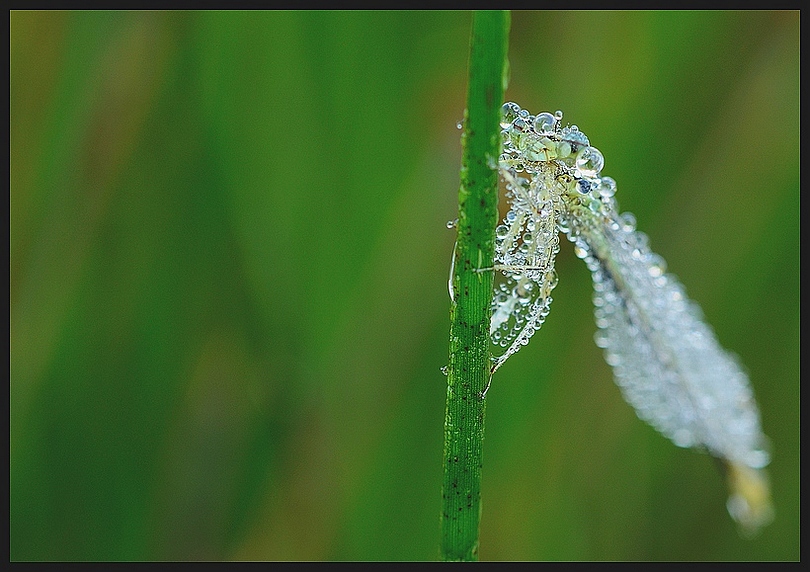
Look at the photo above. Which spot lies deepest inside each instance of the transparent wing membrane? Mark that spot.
(525, 246)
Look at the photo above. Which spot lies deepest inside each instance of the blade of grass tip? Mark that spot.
(468, 372)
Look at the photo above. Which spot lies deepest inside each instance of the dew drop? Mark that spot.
(628, 222)
(520, 126)
(607, 187)
(583, 186)
(758, 458)
(509, 112)
(683, 438)
(612, 359)
(544, 123)
(452, 223)
(445, 370)
(589, 161)
(658, 266)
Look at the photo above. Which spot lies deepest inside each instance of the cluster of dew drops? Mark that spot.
(541, 147)
(530, 142)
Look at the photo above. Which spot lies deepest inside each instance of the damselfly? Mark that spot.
(665, 358)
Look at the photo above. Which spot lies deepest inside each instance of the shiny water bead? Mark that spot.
(583, 186)
(627, 222)
(606, 187)
(657, 265)
(576, 138)
(509, 112)
(589, 162)
(520, 126)
(505, 136)
(596, 205)
(545, 123)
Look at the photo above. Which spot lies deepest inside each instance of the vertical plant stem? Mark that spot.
(469, 368)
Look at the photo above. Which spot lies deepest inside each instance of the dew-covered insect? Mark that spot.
(665, 358)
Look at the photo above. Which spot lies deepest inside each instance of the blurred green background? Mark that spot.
(228, 282)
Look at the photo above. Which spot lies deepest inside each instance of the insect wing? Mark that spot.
(526, 244)
(665, 358)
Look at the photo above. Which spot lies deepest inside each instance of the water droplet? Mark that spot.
(563, 149)
(628, 222)
(758, 458)
(509, 112)
(589, 162)
(544, 123)
(552, 281)
(459, 125)
(583, 186)
(452, 223)
(658, 265)
(445, 370)
(683, 438)
(558, 115)
(607, 187)
(501, 231)
(576, 138)
(580, 251)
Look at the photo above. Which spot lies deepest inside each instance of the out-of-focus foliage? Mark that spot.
(228, 268)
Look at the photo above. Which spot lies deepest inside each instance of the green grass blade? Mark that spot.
(468, 372)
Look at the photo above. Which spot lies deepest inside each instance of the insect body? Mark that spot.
(666, 360)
